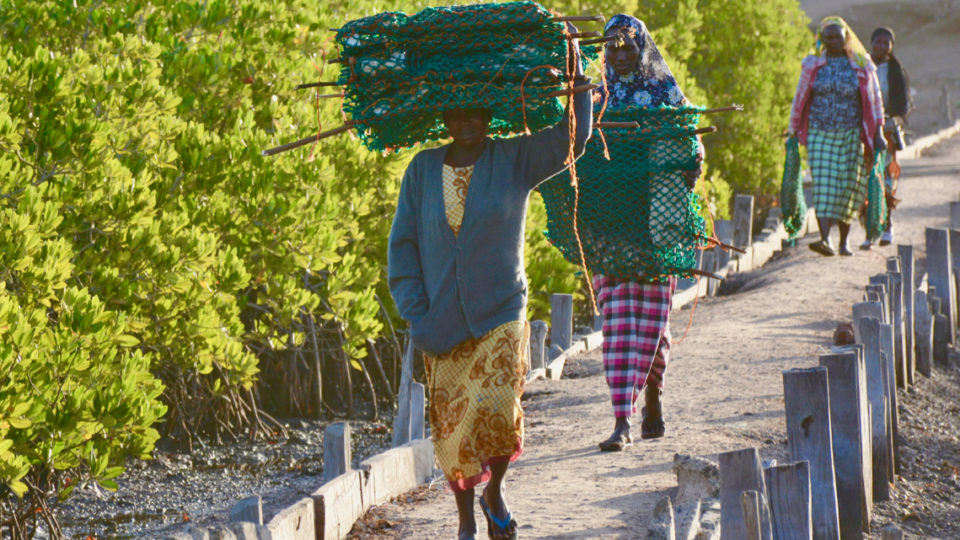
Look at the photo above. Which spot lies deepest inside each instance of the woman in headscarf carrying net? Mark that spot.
(636, 311)
(837, 113)
(456, 272)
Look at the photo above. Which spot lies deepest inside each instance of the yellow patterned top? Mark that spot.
(456, 182)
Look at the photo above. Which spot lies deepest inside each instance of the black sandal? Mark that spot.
(823, 248)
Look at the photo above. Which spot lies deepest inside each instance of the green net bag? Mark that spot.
(400, 72)
(876, 219)
(635, 215)
(792, 203)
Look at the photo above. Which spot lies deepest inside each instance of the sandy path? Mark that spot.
(724, 386)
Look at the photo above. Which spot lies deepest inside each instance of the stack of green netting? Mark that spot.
(636, 217)
(876, 218)
(401, 72)
(792, 203)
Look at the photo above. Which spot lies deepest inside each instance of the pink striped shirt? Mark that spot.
(870, 98)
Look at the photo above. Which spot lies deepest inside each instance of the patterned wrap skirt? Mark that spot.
(839, 177)
(636, 337)
(475, 413)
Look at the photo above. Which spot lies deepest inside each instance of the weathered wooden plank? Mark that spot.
(807, 402)
(853, 462)
(401, 422)
(295, 522)
(865, 310)
(955, 215)
(941, 335)
(337, 505)
(896, 319)
(388, 474)
(750, 503)
(908, 269)
(740, 470)
(876, 392)
(742, 220)
(538, 338)
(723, 230)
(790, 501)
(887, 350)
(249, 509)
(417, 412)
(337, 455)
(940, 275)
(923, 337)
(561, 320)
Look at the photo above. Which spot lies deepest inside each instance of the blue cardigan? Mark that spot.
(453, 288)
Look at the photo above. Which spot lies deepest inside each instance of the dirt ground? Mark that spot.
(724, 392)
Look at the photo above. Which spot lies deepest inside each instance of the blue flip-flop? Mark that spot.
(494, 520)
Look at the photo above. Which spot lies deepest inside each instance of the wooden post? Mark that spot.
(807, 399)
(881, 284)
(249, 509)
(538, 338)
(940, 275)
(742, 221)
(851, 450)
(896, 319)
(401, 422)
(417, 411)
(723, 230)
(876, 394)
(750, 502)
(337, 457)
(923, 338)
(561, 320)
(955, 215)
(887, 350)
(739, 471)
(941, 335)
(865, 310)
(908, 270)
(790, 502)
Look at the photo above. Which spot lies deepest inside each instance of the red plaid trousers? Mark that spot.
(636, 337)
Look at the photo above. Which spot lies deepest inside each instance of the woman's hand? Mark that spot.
(879, 141)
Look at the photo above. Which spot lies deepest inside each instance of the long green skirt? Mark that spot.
(839, 177)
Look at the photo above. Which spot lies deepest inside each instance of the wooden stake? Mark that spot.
(599, 40)
(316, 84)
(575, 90)
(705, 130)
(734, 107)
(616, 125)
(705, 273)
(578, 35)
(724, 245)
(307, 140)
(579, 18)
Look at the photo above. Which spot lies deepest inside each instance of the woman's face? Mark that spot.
(834, 39)
(468, 127)
(882, 45)
(622, 54)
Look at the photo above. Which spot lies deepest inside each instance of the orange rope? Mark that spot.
(571, 162)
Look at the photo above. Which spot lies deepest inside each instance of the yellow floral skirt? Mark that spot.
(475, 413)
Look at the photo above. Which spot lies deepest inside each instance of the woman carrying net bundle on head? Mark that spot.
(838, 114)
(456, 272)
(636, 311)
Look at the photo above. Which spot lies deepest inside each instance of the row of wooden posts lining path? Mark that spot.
(724, 400)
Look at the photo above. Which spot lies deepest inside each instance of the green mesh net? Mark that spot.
(792, 203)
(635, 214)
(876, 218)
(400, 72)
